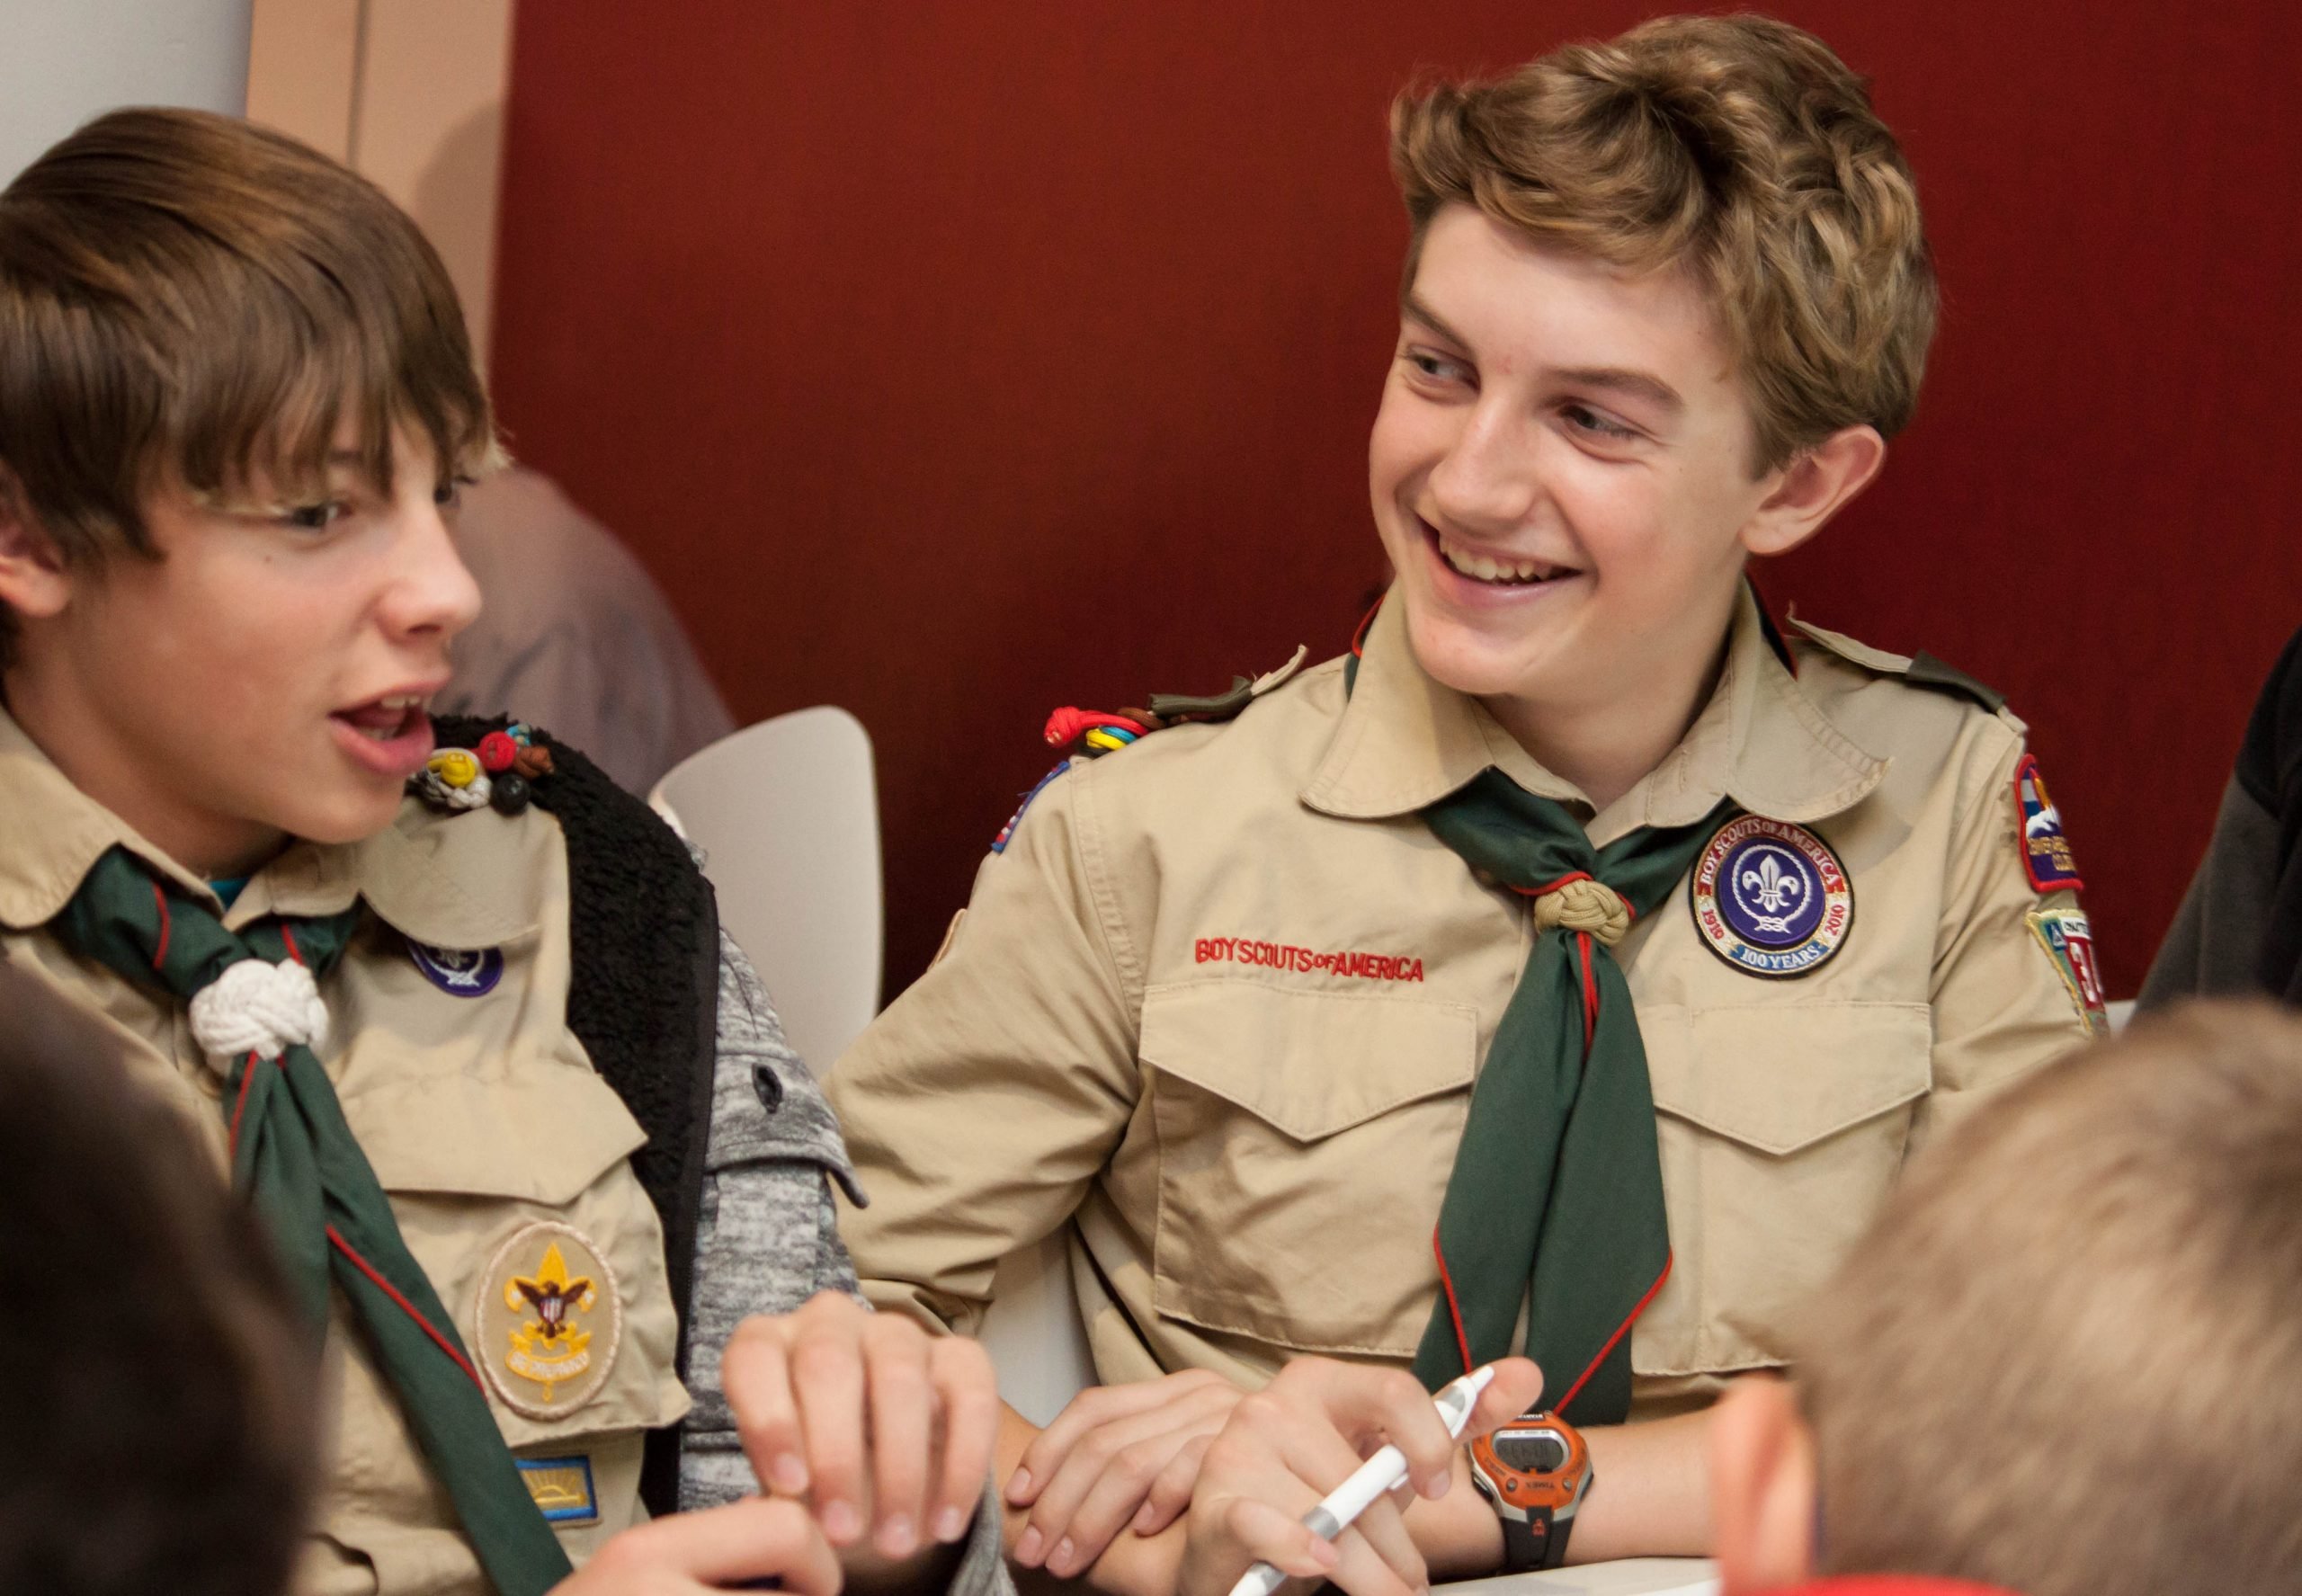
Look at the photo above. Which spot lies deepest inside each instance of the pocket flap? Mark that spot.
(1778, 1077)
(544, 1135)
(1309, 1064)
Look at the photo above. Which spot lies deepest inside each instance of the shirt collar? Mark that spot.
(1405, 741)
(452, 885)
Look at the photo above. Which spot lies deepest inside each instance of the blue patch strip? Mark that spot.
(561, 1488)
(1007, 833)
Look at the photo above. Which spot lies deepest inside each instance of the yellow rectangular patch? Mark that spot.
(561, 1488)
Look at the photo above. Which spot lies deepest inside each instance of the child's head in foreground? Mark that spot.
(1665, 297)
(236, 398)
(159, 1435)
(2067, 1361)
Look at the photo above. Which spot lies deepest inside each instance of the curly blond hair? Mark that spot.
(1739, 149)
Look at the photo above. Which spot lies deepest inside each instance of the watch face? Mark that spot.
(1531, 1451)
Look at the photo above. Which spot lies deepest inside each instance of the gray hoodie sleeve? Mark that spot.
(767, 1239)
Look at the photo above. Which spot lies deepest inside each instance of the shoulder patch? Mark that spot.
(2047, 857)
(1007, 832)
(2069, 941)
(1920, 670)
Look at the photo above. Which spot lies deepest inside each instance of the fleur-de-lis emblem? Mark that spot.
(1772, 885)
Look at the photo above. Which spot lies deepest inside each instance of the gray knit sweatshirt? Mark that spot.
(767, 1239)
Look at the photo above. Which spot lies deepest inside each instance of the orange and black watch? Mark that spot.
(1534, 1472)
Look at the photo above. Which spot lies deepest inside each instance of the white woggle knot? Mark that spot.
(1586, 906)
(260, 1008)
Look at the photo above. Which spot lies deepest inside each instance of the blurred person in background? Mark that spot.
(576, 635)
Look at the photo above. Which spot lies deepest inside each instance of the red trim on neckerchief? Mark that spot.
(1590, 994)
(1454, 1308)
(161, 951)
(248, 1079)
(1559, 1406)
(1548, 887)
(288, 940)
(405, 1306)
(1359, 632)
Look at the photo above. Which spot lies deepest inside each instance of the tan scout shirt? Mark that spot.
(1134, 1032)
(481, 1118)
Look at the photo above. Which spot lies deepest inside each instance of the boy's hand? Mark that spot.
(867, 1416)
(1116, 1456)
(727, 1549)
(1287, 1446)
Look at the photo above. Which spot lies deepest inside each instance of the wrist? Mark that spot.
(1457, 1534)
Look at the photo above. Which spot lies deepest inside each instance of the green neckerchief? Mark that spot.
(1556, 1193)
(296, 1159)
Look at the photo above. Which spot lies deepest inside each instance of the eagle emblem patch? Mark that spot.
(1770, 897)
(550, 1321)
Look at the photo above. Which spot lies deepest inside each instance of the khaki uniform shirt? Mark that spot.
(1136, 1031)
(482, 1118)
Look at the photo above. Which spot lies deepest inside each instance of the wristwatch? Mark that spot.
(1534, 1472)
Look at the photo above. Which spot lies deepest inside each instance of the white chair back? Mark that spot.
(787, 813)
(1033, 1331)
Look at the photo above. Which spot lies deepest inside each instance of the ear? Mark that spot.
(1762, 1488)
(1815, 485)
(33, 582)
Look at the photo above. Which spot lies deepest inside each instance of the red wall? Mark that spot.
(958, 359)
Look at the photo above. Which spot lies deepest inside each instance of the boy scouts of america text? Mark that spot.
(1279, 956)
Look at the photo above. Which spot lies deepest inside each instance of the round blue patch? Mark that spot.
(456, 972)
(1771, 897)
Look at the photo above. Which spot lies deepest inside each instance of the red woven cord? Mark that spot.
(1068, 725)
(1560, 1408)
(405, 1306)
(1454, 1308)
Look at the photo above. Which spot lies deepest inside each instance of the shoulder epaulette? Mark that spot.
(1920, 670)
(1097, 733)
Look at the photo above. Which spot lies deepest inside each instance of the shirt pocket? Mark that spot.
(1304, 1140)
(527, 1179)
(1782, 1128)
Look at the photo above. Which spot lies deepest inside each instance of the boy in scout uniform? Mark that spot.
(517, 1117)
(1572, 965)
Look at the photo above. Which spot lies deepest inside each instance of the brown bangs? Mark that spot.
(188, 299)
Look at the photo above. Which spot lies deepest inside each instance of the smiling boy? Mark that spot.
(519, 1120)
(1684, 933)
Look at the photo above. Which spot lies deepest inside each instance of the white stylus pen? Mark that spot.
(1385, 1471)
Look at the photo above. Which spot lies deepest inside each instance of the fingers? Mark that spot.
(1171, 1492)
(1109, 1472)
(1517, 1386)
(1379, 1557)
(828, 1383)
(902, 1407)
(755, 1376)
(1370, 1406)
(757, 1538)
(1092, 1410)
(966, 1389)
(1263, 1533)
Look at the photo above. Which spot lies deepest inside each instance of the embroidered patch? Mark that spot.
(561, 1488)
(1316, 961)
(1007, 832)
(1771, 898)
(2069, 941)
(2046, 852)
(456, 972)
(550, 1321)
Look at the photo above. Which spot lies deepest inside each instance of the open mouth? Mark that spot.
(391, 735)
(1492, 570)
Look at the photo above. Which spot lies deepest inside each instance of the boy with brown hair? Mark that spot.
(2062, 1362)
(458, 1020)
(1570, 966)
